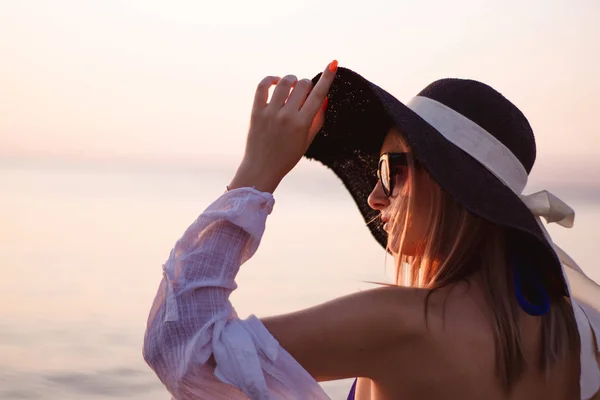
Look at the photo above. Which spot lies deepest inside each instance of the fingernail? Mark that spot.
(333, 65)
(325, 103)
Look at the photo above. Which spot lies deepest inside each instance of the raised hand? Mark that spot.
(282, 130)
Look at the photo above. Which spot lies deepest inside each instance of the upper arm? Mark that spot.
(349, 336)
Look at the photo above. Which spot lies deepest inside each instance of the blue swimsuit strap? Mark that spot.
(539, 293)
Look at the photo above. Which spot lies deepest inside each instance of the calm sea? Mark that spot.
(81, 254)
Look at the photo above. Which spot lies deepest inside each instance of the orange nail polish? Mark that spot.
(325, 103)
(333, 65)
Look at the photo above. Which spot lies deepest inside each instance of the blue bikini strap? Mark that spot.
(540, 295)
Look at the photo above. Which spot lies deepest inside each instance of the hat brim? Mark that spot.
(358, 117)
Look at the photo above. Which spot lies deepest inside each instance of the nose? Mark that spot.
(377, 199)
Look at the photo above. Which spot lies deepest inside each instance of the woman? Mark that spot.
(482, 308)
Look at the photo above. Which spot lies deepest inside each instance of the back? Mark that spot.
(455, 358)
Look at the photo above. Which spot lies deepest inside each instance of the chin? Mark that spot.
(394, 247)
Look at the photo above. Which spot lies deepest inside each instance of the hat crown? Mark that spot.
(491, 111)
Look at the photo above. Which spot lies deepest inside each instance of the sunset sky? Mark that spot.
(173, 81)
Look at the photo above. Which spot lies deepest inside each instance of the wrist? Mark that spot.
(251, 176)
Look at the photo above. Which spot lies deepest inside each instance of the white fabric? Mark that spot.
(474, 140)
(192, 317)
(500, 161)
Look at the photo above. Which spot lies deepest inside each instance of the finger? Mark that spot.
(262, 91)
(318, 122)
(299, 94)
(282, 91)
(317, 96)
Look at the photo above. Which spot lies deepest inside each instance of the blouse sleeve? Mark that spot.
(192, 318)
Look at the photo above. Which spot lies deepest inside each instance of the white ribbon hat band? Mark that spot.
(500, 161)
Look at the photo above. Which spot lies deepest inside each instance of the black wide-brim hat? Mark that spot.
(359, 115)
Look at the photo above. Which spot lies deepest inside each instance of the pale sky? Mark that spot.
(173, 80)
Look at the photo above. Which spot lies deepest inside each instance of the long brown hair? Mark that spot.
(458, 244)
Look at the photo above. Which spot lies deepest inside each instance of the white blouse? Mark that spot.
(192, 317)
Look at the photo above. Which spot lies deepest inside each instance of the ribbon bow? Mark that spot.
(545, 204)
(584, 292)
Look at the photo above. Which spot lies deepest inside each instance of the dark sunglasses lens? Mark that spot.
(384, 173)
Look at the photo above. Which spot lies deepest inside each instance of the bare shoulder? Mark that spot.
(402, 311)
(447, 315)
(450, 341)
(451, 310)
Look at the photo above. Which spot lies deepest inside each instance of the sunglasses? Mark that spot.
(390, 164)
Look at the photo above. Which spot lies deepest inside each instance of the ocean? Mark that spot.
(81, 253)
